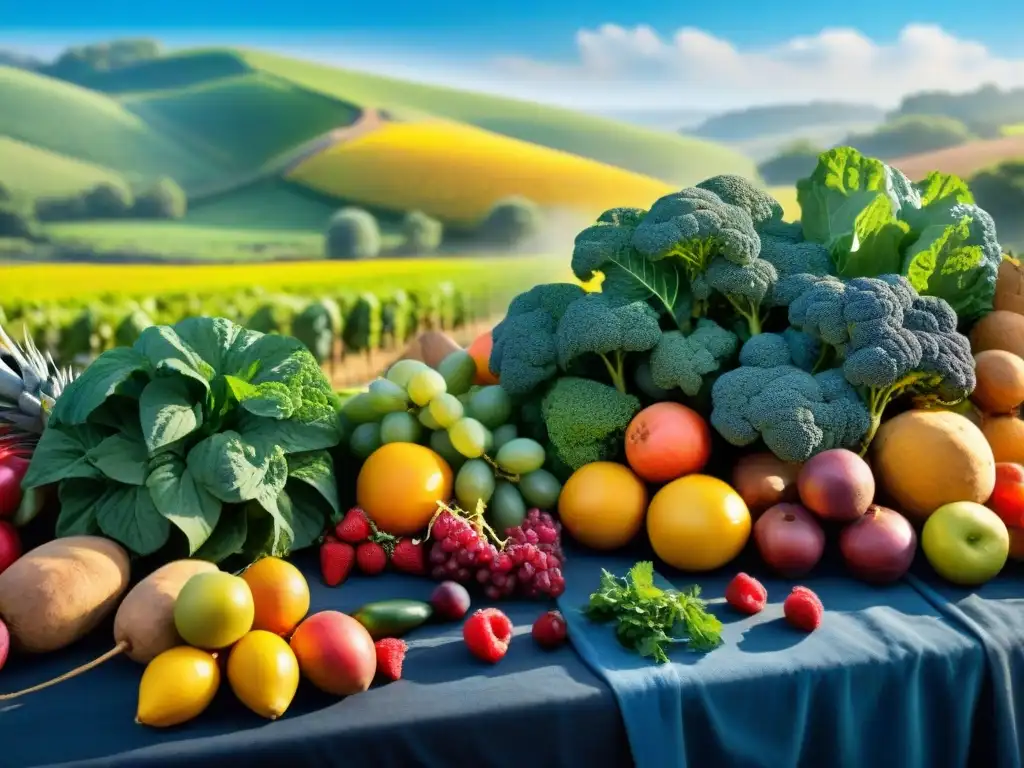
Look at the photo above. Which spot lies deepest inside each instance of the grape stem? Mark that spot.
(500, 473)
(476, 520)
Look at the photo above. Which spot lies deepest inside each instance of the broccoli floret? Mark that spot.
(601, 243)
(790, 231)
(892, 341)
(694, 226)
(745, 286)
(795, 413)
(805, 351)
(680, 360)
(766, 350)
(593, 324)
(525, 355)
(736, 190)
(586, 420)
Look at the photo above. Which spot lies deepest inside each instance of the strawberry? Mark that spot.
(550, 630)
(746, 594)
(390, 655)
(336, 560)
(487, 634)
(803, 609)
(354, 527)
(409, 557)
(371, 557)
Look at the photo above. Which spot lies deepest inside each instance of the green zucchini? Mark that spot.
(393, 618)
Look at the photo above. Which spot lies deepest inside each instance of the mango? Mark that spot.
(263, 673)
(335, 653)
(280, 595)
(214, 610)
(177, 686)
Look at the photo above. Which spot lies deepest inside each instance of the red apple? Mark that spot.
(879, 546)
(335, 653)
(836, 485)
(1007, 498)
(790, 539)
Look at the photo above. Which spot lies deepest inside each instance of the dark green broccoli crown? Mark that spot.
(793, 258)
(818, 310)
(524, 354)
(788, 231)
(796, 414)
(945, 354)
(804, 349)
(609, 240)
(586, 420)
(695, 224)
(682, 361)
(595, 324)
(751, 281)
(736, 190)
(765, 350)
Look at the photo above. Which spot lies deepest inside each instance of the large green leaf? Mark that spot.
(168, 354)
(177, 496)
(293, 436)
(168, 411)
(211, 338)
(126, 513)
(78, 497)
(99, 381)
(942, 263)
(273, 482)
(121, 459)
(227, 539)
(266, 534)
(232, 468)
(316, 469)
(872, 247)
(60, 454)
(306, 511)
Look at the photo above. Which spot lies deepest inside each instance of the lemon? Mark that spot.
(263, 673)
(177, 686)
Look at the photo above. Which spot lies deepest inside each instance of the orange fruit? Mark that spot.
(698, 523)
(480, 351)
(1016, 544)
(280, 595)
(602, 505)
(399, 486)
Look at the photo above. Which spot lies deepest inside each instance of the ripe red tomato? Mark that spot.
(1007, 499)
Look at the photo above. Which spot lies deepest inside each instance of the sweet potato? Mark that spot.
(56, 593)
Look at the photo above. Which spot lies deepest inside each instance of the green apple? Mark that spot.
(966, 543)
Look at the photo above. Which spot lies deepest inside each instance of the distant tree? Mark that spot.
(60, 208)
(794, 162)
(1000, 191)
(164, 200)
(16, 221)
(982, 109)
(911, 135)
(79, 62)
(422, 233)
(353, 233)
(510, 222)
(108, 201)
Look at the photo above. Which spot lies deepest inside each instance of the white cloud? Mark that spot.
(623, 67)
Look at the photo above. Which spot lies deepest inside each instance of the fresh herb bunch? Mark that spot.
(649, 619)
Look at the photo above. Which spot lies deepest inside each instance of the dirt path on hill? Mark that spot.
(368, 121)
(964, 160)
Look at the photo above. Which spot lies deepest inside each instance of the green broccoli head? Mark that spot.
(794, 260)
(695, 225)
(745, 286)
(586, 420)
(804, 350)
(736, 190)
(683, 361)
(765, 350)
(795, 413)
(596, 325)
(607, 240)
(525, 354)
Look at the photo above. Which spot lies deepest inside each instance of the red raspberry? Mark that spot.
(488, 633)
(746, 594)
(371, 558)
(390, 655)
(354, 527)
(550, 630)
(803, 609)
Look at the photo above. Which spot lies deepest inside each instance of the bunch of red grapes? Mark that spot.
(530, 562)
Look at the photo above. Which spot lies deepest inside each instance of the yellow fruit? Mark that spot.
(602, 505)
(698, 523)
(213, 610)
(176, 686)
(280, 595)
(263, 673)
(399, 487)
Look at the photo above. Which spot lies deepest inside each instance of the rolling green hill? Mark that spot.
(56, 116)
(673, 158)
(36, 172)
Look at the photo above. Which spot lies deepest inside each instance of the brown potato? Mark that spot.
(1000, 376)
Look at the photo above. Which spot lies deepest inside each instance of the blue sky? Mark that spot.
(533, 46)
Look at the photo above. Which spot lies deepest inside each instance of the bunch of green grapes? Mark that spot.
(469, 426)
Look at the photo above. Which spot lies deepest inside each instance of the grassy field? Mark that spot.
(32, 282)
(1016, 129)
(269, 204)
(36, 172)
(242, 121)
(457, 172)
(88, 126)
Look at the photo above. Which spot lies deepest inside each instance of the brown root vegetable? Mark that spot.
(925, 459)
(1005, 434)
(764, 480)
(1010, 287)
(144, 622)
(1000, 377)
(999, 330)
(57, 592)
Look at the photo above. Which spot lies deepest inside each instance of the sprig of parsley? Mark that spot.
(650, 620)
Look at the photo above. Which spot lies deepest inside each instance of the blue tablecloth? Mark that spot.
(449, 710)
(891, 678)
